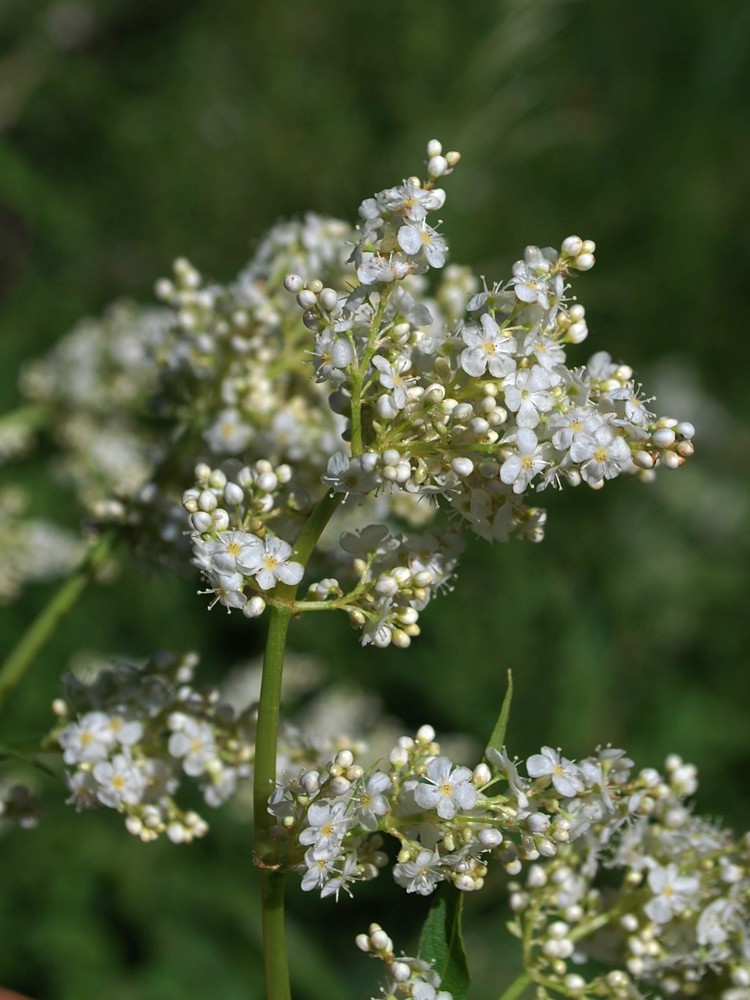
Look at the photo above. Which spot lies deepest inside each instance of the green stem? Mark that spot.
(358, 377)
(517, 987)
(43, 627)
(272, 881)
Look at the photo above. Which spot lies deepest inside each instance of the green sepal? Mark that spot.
(441, 943)
(497, 739)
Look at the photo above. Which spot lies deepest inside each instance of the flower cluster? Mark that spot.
(385, 376)
(662, 897)
(134, 735)
(464, 397)
(94, 388)
(478, 407)
(242, 559)
(677, 887)
(31, 550)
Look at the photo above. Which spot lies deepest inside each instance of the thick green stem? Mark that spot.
(45, 624)
(272, 881)
(517, 987)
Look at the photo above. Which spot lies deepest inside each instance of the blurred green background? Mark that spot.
(132, 132)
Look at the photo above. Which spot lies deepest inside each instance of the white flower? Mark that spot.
(420, 875)
(88, 740)
(371, 801)
(375, 268)
(566, 776)
(532, 281)
(318, 870)
(346, 874)
(529, 395)
(716, 922)
(226, 551)
(125, 731)
(518, 470)
(518, 785)
(603, 454)
(227, 590)
(673, 893)
(326, 825)
(194, 741)
(411, 201)
(229, 433)
(332, 353)
(347, 475)
(269, 563)
(118, 781)
(488, 348)
(448, 790)
(391, 378)
(419, 237)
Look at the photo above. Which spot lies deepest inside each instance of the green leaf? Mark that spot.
(441, 943)
(497, 740)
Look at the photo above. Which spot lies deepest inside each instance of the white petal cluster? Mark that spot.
(136, 732)
(677, 896)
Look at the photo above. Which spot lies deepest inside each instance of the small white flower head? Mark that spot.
(350, 475)
(566, 776)
(487, 348)
(673, 893)
(448, 790)
(194, 742)
(270, 563)
(391, 377)
(376, 268)
(88, 740)
(421, 875)
(326, 825)
(530, 395)
(519, 469)
(371, 802)
(417, 239)
(118, 781)
(602, 455)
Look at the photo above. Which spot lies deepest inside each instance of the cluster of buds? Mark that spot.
(409, 978)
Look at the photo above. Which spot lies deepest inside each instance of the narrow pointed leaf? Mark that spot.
(497, 739)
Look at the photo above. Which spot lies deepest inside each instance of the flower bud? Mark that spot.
(201, 521)
(437, 166)
(328, 299)
(233, 494)
(306, 299)
(572, 246)
(254, 608)
(293, 283)
(462, 466)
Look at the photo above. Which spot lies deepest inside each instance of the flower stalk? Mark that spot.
(45, 624)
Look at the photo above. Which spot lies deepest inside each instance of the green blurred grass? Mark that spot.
(135, 132)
